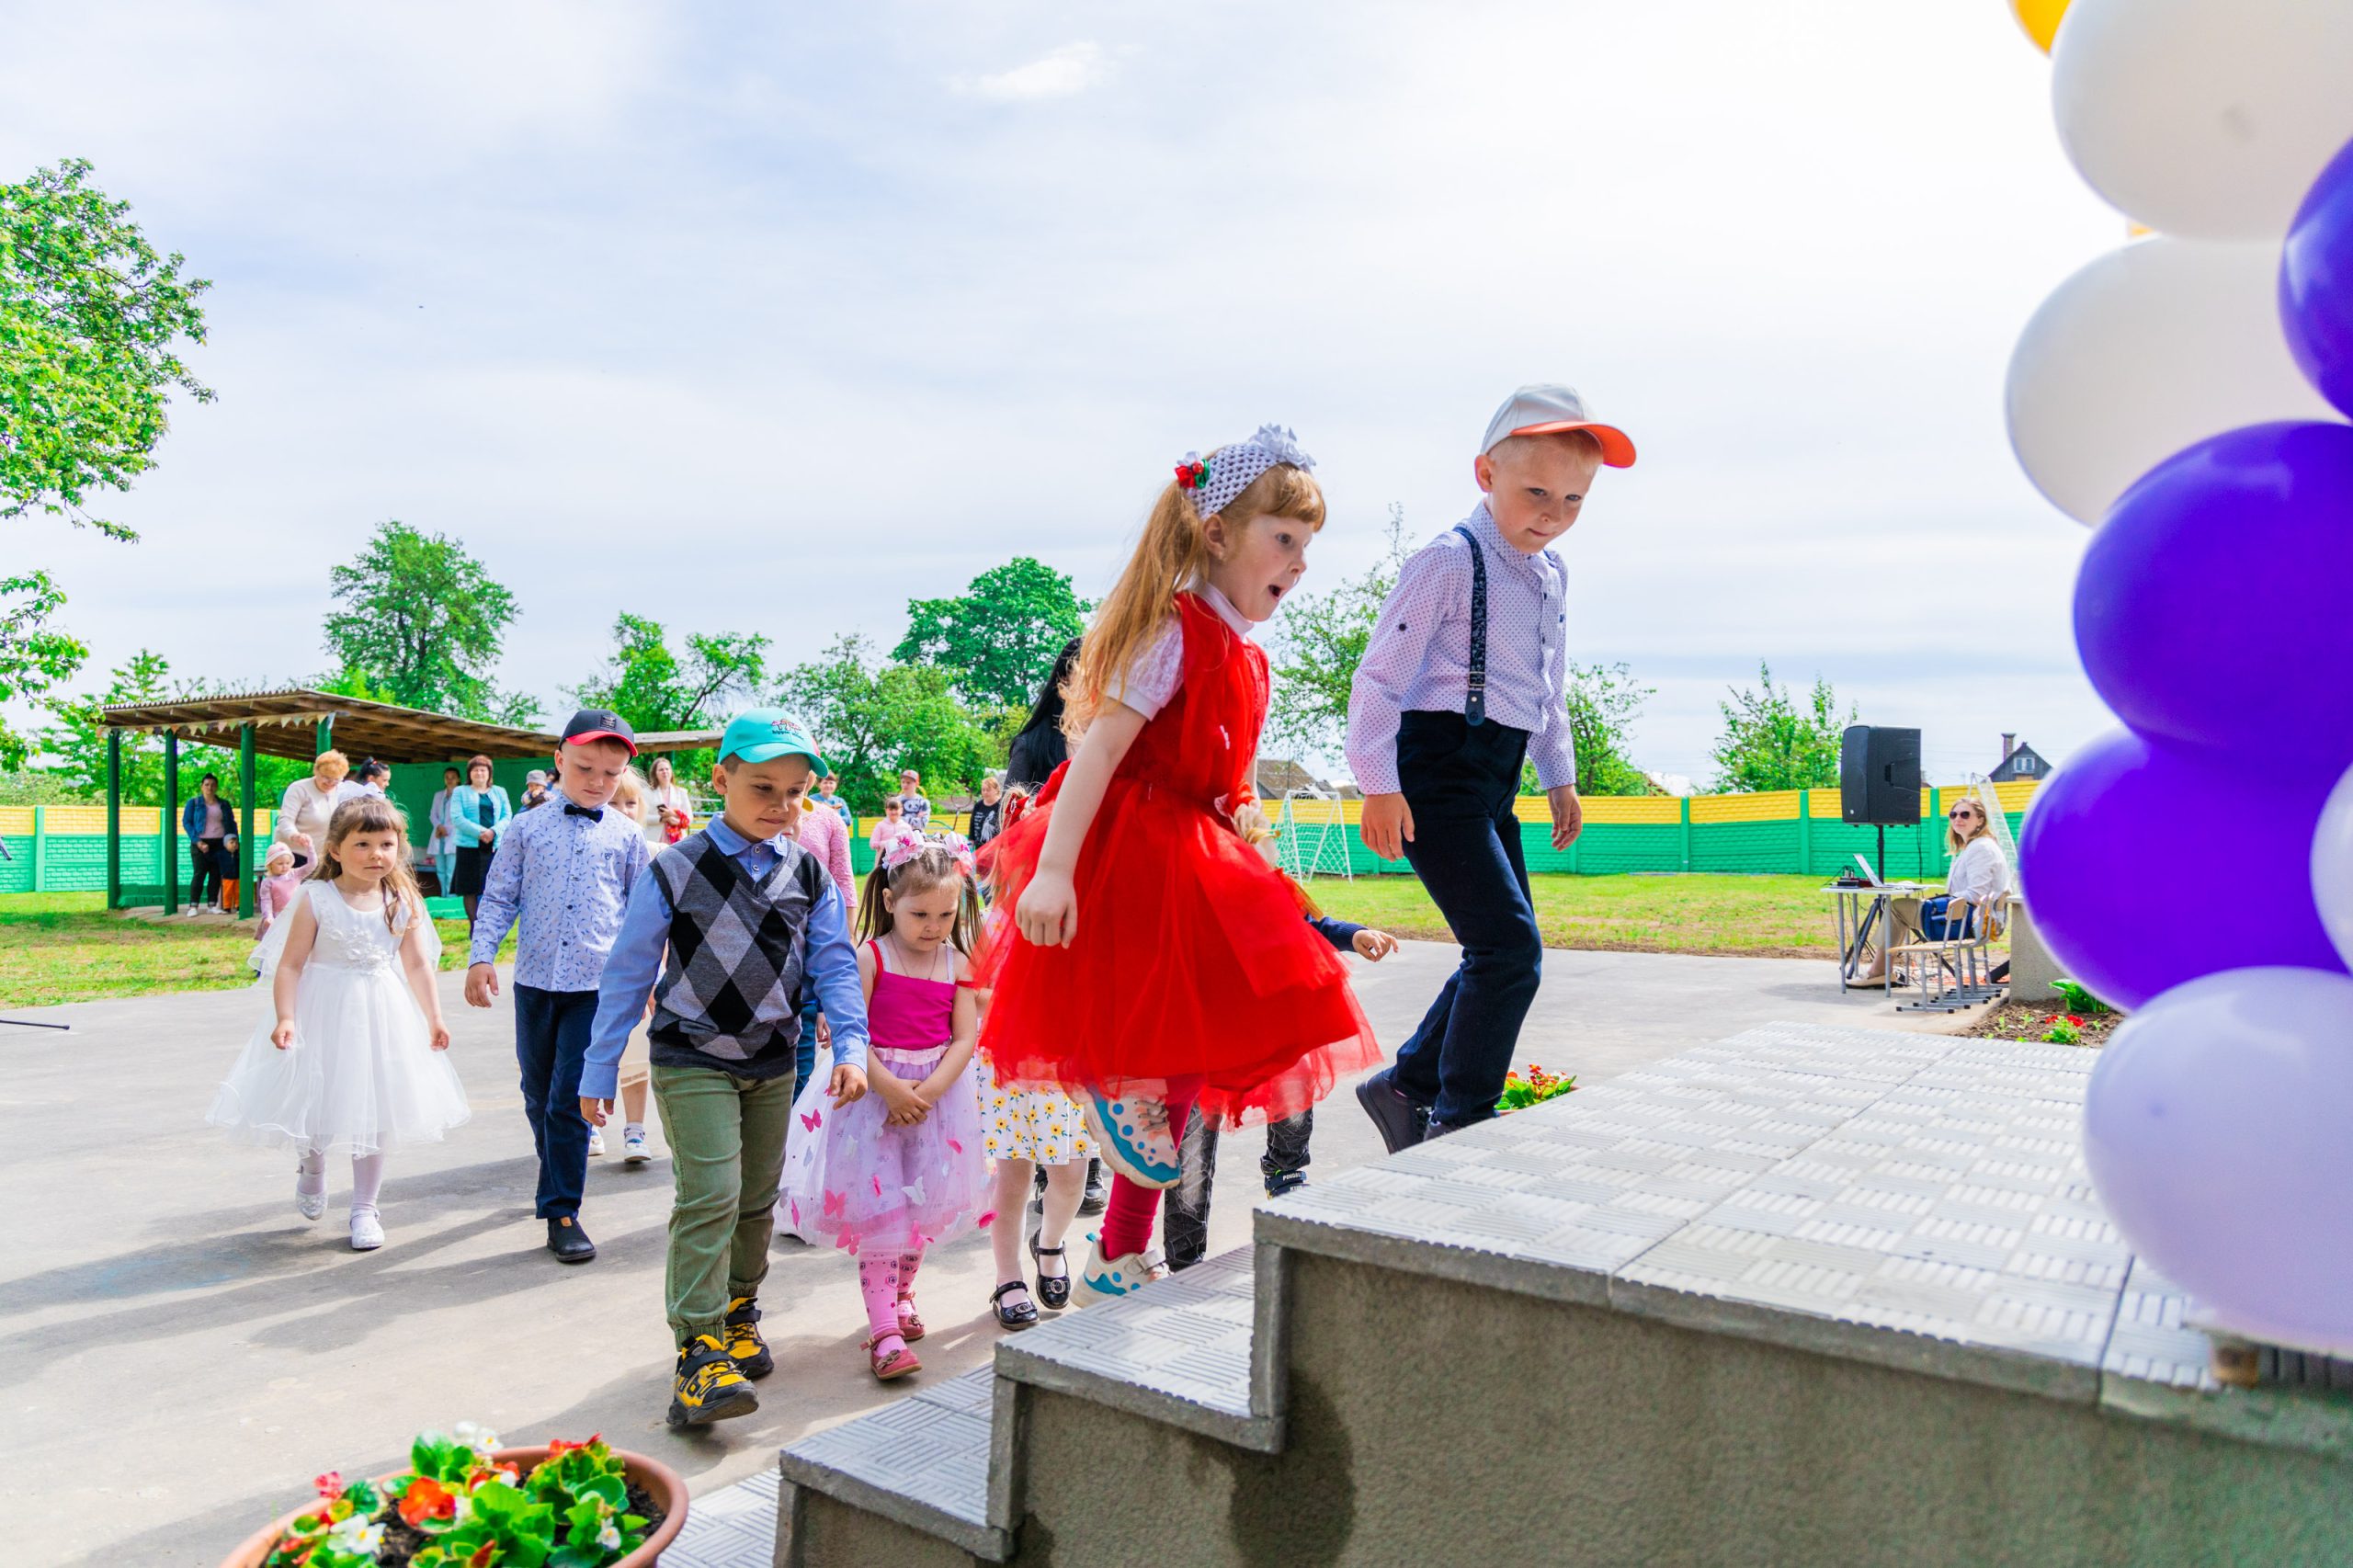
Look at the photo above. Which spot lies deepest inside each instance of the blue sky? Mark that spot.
(751, 320)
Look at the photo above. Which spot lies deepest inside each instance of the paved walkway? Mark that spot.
(182, 1353)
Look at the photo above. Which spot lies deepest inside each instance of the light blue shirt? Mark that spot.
(828, 959)
(567, 878)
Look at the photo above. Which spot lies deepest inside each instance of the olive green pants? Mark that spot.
(727, 1137)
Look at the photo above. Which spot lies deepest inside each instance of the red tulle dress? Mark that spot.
(1192, 956)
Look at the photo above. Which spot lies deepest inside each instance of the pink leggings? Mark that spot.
(1127, 1219)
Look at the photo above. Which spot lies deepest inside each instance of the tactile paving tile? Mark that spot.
(733, 1527)
(2154, 1341)
(1185, 1338)
(930, 1446)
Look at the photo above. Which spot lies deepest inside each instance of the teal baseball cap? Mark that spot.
(763, 735)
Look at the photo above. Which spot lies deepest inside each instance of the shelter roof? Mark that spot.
(285, 725)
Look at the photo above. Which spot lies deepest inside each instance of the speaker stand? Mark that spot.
(1883, 854)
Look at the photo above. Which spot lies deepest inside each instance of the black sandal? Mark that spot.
(1025, 1315)
(1053, 1290)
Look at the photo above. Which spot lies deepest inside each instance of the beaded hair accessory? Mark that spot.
(1213, 481)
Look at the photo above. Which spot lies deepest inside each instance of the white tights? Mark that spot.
(366, 1178)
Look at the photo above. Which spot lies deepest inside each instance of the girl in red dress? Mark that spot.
(1143, 958)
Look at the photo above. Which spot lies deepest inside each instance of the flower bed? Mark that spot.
(466, 1502)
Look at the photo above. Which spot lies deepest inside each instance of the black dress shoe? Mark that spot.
(568, 1241)
(1401, 1122)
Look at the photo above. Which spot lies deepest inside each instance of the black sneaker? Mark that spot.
(744, 1346)
(568, 1241)
(708, 1386)
(1281, 1181)
(1098, 1192)
(1401, 1122)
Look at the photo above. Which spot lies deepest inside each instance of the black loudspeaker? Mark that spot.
(1878, 776)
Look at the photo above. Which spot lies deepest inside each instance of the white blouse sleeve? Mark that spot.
(1979, 874)
(1153, 676)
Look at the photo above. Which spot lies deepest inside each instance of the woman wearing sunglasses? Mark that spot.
(1980, 875)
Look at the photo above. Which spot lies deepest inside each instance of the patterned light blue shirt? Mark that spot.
(1418, 657)
(568, 878)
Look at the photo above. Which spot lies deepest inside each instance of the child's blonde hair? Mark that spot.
(372, 814)
(628, 794)
(933, 866)
(1172, 552)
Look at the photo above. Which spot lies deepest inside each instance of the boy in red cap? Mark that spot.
(1463, 678)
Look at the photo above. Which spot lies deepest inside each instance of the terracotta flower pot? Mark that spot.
(662, 1482)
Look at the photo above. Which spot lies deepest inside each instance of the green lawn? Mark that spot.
(64, 947)
(1699, 913)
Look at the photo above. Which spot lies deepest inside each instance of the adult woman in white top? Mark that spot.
(1980, 875)
(443, 842)
(670, 814)
(308, 803)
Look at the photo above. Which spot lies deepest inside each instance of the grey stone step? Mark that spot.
(1193, 1350)
(924, 1461)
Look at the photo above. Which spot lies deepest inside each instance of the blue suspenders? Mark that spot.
(1474, 700)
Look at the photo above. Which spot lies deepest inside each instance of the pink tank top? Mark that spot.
(907, 1013)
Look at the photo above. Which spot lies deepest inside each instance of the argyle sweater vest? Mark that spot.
(730, 997)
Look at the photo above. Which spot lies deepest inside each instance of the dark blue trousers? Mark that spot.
(1459, 782)
(551, 1043)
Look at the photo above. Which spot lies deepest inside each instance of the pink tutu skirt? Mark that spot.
(853, 1180)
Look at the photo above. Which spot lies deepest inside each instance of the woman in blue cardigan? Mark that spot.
(478, 813)
(210, 823)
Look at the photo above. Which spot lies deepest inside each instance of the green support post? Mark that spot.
(114, 819)
(1805, 833)
(169, 838)
(40, 849)
(1684, 800)
(325, 738)
(248, 899)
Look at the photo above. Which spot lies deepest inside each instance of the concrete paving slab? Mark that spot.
(181, 1352)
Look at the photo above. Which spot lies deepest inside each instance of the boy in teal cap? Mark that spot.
(742, 914)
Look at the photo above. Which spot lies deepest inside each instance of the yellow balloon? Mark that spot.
(2040, 20)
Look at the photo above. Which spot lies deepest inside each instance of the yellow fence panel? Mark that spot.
(1766, 805)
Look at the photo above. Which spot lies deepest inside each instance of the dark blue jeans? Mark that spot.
(551, 1042)
(1461, 782)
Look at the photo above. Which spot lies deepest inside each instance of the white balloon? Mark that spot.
(2332, 869)
(2149, 348)
(2209, 117)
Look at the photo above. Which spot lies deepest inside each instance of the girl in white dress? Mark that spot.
(349, 1059)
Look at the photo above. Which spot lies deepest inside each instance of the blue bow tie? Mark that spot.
(593, 813)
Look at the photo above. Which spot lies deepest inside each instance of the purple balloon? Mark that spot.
(2316, 283)
(2147, 865)
(2215, 603)
(2214, 1128)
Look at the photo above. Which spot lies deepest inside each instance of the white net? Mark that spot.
(1312, 836)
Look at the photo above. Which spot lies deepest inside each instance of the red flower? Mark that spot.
(483, 1555)
(556, 1446)
(2074, 1020)
(427, 1499)
(330, 1485)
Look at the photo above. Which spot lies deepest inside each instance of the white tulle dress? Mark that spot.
(362, 1075)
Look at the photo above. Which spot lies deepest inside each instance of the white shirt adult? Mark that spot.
(674, 797)
(1980, 873)
(305, 809)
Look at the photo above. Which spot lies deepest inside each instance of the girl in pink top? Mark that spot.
(885, 1176)
(824, 834)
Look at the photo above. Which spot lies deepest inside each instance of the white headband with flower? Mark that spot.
(1213, 481)
(901, 851)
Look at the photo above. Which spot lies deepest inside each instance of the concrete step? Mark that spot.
(923, 1461)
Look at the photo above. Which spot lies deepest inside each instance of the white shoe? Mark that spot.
(367, 1230)
(596, 1139)
(311, 1205)
(1133, 1136)
(1108, 1279)
(635, 1151)
(191, 911)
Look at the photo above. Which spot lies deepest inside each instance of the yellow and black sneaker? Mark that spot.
(708, 1386)
(744, 1346)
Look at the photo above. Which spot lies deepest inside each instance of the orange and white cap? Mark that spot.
(1546, 409)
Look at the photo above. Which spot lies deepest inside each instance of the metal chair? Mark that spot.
(1960, 965)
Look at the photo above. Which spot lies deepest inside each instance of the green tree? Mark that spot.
(871, 720)
(1604, 701)
(998, 640)
(422, 619)
(655, 688)
(1320, 640)
(74, 748)
(34, 656)
(1770, 742)
(91, 318)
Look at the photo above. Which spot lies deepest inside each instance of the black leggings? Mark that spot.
(209, 878)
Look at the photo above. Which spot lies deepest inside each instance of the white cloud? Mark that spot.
(1063, 72)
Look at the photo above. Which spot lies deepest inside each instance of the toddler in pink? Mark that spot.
(885, 1176)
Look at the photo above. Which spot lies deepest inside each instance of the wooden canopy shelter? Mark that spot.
(300, 724)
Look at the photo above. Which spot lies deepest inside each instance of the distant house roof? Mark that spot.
(2024, 762)
(1279, 776)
